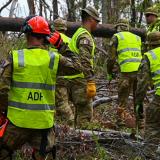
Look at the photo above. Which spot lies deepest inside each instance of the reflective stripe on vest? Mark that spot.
(73, 47)
(32, 93)
(129, 51)
(154, 60)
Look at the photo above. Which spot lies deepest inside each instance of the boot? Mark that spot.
(125, 118)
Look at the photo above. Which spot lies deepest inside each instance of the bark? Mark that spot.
(103, 30)
(55, 9)
(84, 3)
(40, 8)
(31, 7)
(13, 7)
(47, 7)
(71, 10)
(104, 11)
(133, 13)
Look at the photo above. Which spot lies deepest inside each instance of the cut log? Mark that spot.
(103, 30)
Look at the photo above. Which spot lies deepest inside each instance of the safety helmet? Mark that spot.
(152, 10)
(92, 12)
(153, 38)
(36, 24)
(60, 24)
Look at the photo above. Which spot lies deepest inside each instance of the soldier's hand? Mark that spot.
(91, 89)
(55, 39)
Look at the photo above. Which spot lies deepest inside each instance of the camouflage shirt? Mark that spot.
(85, 46)
(112, 54)
(143, 80)
(154, 27)
(67, 66)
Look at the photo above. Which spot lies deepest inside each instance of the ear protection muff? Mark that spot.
(25, 27)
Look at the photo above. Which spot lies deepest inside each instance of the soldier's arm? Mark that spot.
(112, 54)
(143, 80)
(85, 45)
(5, 81)
(69, 65)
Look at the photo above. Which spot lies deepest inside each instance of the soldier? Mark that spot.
(152, 20)
(126, 48)
(149, 69)
(82, 86)
(64, 112)
(61, 26)
(28, 76)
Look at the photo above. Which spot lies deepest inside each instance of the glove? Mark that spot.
(91, 89)
(56, 40)
(109, 77)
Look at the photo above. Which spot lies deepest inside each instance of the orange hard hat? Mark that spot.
(36, 24)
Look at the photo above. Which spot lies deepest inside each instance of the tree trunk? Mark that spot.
(104, 11)
(84, 3)
(55, 9)
(103, 30)
(40, 8)
(31, 7)
(71, 10)
(133, 13)
(13, 7)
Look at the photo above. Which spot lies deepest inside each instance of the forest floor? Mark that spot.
(103, 140)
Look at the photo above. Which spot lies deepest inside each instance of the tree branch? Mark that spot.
(5, 5)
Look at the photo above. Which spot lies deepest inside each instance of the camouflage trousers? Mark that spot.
(152, 121)
(76, 93)
(64, 113)
(126, 84)
(39, 142)
(83, 105)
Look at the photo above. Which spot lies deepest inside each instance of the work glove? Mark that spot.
(56, 40)
(91, 89)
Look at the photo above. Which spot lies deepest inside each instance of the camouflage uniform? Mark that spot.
(83, 105)
(14, 136)
(78, 86)
(152, 113)
(127, 80)
(64, 113)
(154, 26)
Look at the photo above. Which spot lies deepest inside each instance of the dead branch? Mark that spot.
(5, 5)
(106, 100)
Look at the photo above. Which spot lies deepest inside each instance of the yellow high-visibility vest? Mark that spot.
(65, 38)
(32, 93)
(129, 51)
(154, 59)
(73, 47)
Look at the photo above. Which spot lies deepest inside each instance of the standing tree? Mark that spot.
(55, 9)
(71, 10)
(31, 7)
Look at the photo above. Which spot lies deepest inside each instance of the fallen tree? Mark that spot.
(116, 144)
(103, 30)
